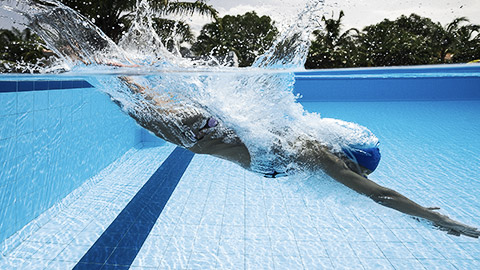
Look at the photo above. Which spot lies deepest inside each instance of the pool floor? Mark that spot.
(221, 216)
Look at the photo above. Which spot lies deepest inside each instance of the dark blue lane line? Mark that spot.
(118, 246)
(41, 85)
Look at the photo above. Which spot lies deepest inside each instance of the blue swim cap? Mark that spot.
(366, 157)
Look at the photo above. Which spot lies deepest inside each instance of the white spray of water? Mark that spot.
(257, 103)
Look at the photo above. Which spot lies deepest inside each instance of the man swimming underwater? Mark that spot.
(194, 128)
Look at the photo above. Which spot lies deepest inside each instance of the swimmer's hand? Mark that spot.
(454, 227)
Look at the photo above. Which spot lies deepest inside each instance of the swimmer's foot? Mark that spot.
(211, 123)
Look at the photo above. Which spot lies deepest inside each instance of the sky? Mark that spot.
(358, 13)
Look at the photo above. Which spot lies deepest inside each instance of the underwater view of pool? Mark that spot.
(87, 182)
(212, 214)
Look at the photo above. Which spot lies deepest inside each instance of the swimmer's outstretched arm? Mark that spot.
(338, 170)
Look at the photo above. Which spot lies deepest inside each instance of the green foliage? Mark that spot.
(247, 35)
(20, 46)
(114, 17)
(111, 16)
(411, 40)
(170, 29)
(331, 48)
(467, 42)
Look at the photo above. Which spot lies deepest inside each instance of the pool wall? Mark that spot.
(54, 135)
(442, 82)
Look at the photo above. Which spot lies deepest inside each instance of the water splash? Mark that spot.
(256, 103)
(144, 46)
(70, 35)
(291, 49)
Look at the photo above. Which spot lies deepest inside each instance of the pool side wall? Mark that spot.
(422, 83)
(54, 135)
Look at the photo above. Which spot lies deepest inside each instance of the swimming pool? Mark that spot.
(219, 215)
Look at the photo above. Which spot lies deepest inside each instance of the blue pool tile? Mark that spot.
(462, 263)
(395, 250)
(24, 144)
(133, 241)
(24, 123)
(67, 84)
(23, 210)
(8, 125)
(147, 218)
(25, 86)
(7, 150)
(125, 218)
(41, 85)
(119, 227)
(437, 264)
(40, 100)
(203, 261)
(8, 86)
(313, 262)
(8, 218)
(86, 84)
(368, 250)
(7, 187)
(161, 196)
(56, 99)
(25, 171)
(407, 264)
(87, 266)
(115, 267)
(41, 120)
(288, 262)
(97, 255)
(24, 102)
(109, 240)
(346, 263)
(59, 265)
(54, 85)
(123, 256)
(376, 264)
(77, 84)
(140, 228)
(9, 103)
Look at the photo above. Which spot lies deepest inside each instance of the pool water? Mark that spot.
(428, 148)
(221, 216)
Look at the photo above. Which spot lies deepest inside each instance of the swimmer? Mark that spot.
(194, 128)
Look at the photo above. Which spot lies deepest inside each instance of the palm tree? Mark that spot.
(332, 36)
(459, 40)
(448, 39)
(468, 46)
(16, 45)
(332, 48)
(114, 16)
(21, 51)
